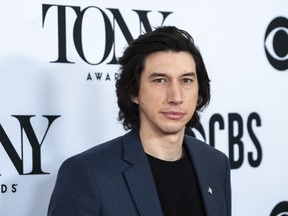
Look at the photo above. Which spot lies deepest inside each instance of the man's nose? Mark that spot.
(174, 95)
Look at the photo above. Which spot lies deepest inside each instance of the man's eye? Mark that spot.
(187, 80)
(160, 80)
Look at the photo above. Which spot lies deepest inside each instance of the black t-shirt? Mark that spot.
(177, 187)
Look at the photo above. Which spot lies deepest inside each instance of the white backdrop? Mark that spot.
(54, 104)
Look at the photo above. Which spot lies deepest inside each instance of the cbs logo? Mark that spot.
(276, 43)
(281, 209)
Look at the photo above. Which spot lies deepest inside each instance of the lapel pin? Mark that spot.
(210, 191)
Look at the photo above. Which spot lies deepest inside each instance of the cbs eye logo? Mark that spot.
(276, 43)
(281, 209)
(197, 132)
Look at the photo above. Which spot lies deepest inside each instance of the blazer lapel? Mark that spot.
(203, 176)
(139, 177)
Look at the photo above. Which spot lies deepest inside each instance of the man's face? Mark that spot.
(168, 92)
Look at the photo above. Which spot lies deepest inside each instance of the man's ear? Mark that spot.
(135, 99)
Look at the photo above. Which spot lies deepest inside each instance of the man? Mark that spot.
(155, 169)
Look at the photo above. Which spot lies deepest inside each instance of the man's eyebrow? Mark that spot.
(189, 74)
(156, 74)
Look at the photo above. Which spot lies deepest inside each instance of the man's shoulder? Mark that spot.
(202, 148)
(107, 147)
(204, 155)
(101, 155)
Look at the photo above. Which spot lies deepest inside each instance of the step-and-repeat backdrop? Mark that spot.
(57, 90)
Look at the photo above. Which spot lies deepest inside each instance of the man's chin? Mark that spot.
(173, 130)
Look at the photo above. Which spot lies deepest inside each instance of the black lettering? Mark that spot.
(98, 76)
(10, 150)
(117, 76)
(89, 77)
(121, 23)
(235, 140)
(254, 162)
(109, 30)
(3, 188)
(25, 125)
(62, 45)
(143, 20)
(14, 189)
(107, 77)
(77, 35)
(216, 118)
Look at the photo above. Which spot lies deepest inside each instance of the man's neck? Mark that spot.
(168, 147)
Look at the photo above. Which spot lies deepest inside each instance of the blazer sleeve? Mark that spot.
(75, 191)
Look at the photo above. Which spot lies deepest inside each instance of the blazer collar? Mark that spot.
(139, 176)
(132, 147)
(203, 174)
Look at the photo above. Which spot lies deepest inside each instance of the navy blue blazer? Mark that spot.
(115, 179)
